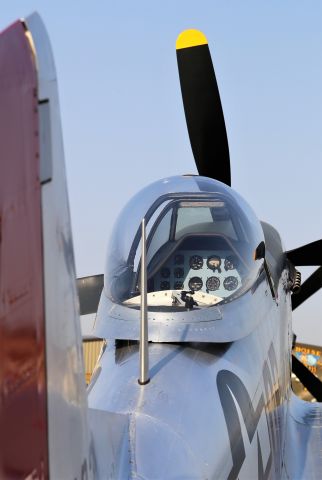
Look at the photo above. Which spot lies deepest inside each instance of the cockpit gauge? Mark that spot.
(178, 285)
(178, 272)
(231, 283)
(231, 263)
(165, 285)
(196, 262)
(165, 272)
(214, 263)
(179, 259)
(212, 283)
(195, 283)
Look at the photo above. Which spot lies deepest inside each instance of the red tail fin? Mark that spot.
(43, 415)
(23, 430)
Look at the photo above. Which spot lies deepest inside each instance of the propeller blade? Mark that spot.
(308, 379)
(89, 292)
(202, 106)
(308, 288)
(310, 254)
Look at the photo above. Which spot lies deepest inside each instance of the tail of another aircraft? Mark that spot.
(43, 410)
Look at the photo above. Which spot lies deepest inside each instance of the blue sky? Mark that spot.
(123, 119)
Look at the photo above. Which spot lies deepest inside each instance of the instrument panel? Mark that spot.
(212, 272)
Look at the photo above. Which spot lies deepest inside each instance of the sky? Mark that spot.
(123, 120)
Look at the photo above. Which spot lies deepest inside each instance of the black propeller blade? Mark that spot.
(310, 254)
(308, 288)
(307, 255)
(89, 292)
(308, 379)
(203, 110)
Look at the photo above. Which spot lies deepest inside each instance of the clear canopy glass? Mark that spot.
(201, 240)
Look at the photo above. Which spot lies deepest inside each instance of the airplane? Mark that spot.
(195, 307)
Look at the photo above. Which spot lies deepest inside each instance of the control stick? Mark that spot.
(186, 297)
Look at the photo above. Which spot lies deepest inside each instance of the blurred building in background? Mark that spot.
(310, 356)
(91, 351)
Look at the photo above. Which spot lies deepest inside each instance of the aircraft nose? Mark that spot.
(158, 451)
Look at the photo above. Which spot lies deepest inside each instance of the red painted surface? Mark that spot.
(23, 411)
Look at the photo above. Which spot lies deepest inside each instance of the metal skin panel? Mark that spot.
(23, 403)
(117, 321)
(70, 455)
(111, 442)
(210, 410)
(303, 453)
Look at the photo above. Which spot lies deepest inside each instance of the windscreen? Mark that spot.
(200, 249)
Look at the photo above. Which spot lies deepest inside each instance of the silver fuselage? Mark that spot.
(211, 410)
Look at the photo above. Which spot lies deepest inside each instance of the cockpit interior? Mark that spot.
(195, 246)
(208, 264)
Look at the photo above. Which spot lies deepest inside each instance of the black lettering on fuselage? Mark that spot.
(231, 389)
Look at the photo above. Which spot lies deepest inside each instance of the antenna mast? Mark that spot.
(144, 337)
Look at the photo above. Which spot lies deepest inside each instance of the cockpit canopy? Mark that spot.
(201, 240)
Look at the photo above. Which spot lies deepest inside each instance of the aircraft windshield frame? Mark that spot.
(166, 202)
(177, 198)
(189, 201)
(163, 199)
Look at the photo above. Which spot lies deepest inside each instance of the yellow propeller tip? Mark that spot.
(190, 38)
